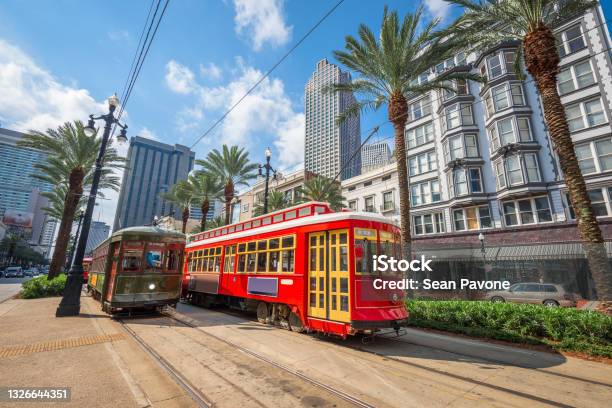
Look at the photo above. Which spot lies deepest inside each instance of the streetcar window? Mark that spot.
(343, 258)
(229, 258)
(274, 260)
(267, 221)
(218, 251)
(262, 245)
(231, 229)
(251, 246)
(344, 303)
(153, 258)
(364, 250)
(247, 225)
(239, 227)
(256, 223)
(290, 215)
(278, 217)
(287, 263)
(262, 260)
(131, 261)
(305, 211)
(288, 242)
(241, 263)
(172, 258)
(241, 247)
(251, 262)
(274, 243)
(319, 209)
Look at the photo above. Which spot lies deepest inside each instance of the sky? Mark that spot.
(60, 60)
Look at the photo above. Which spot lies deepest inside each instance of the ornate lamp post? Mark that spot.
(268, 169)
(481, 238)
(71, 300)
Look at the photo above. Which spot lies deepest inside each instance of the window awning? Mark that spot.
(539, 251)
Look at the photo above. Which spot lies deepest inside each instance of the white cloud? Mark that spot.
(262, 22)
(118, 35)
(267, 111)
(179, 78)
(147, 133)
(211, 71)
(438, 8)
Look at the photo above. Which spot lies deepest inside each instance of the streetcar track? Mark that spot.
(196, 395)
(445, 373)
(339, 393)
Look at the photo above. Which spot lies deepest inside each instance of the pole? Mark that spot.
(74, 242)
(71, 300)
(265, 210)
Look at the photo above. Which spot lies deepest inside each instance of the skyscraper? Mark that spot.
(98, 232)
(153, 168)
(330, 147)
(374, 155)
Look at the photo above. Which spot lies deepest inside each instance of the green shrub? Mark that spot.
(41, 287)
(560, 328)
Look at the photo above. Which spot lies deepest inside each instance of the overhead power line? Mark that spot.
(264, 76)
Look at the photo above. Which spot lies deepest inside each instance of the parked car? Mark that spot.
(28, 272)
(14, 272)
(547, 294)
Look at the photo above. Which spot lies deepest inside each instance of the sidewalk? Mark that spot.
(90, 353)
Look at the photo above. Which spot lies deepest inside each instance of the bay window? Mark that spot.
(425, 193)
(460, 87)
(575, 77)
(503, 96)
(457, 115)
(585, 114)
(517, 169)
(464, 181)
(509, 130)
(420, 135)
(472, 218)
(595, 156)
(460, 146)
(422, 163)
(428, 223)
(527, 211)
(498, 64)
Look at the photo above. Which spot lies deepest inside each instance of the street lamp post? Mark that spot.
(268, 169)
(74, 242)
(71, 300)
(481, 238)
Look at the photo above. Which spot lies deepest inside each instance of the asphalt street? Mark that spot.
(10, 287)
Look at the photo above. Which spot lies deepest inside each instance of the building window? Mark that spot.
(527, 211)
(504, 96)
(425, 193)
(460, 87)
(369, 204)
(595, 157)
(352, 205)
(388, 201)
(245, 208)
(459, 147)
(601, 201)
(575, 77)
(570, 40)
(498, 64)
(509, 130)
(457, 115)
(428, 224)
(514, 170)
(585, 114)
(419, 109)
(419, 135)
(472, 218)
(465, 181)
(422, 163)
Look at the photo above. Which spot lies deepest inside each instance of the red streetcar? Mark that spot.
(304, 268)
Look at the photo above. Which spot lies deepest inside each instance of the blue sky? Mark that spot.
(60, 59)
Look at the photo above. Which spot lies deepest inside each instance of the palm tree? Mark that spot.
(69, 167)
(322, 189)
(233, 169)
(182, 195)
(206, 187)
(531, 23)
(388, 68)
(277, 200)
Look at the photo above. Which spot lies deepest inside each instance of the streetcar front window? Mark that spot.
(172, 260)
(131, 261)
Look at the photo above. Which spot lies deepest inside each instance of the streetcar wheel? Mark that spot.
(262, 312)
(295, 323)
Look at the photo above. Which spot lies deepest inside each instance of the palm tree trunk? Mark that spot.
(205, 207)
(542, 62)
(229, 195)
(398, 107)
(75, 191)
(185, 216)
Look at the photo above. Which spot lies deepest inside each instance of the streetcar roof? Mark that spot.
(147, 230)
(298, 222)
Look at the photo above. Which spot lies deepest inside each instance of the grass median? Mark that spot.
(561, 329)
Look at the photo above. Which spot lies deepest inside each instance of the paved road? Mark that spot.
(416, 370)
(10, 287)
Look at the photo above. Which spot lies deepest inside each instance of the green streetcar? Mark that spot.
(137, 268)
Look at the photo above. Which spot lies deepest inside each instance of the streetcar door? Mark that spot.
(328, 276)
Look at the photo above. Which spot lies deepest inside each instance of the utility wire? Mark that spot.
(264, 76)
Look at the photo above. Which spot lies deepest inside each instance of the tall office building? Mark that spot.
(21, 202)
(98, 232)
(153, 168)
(374, 155)
(330, 147)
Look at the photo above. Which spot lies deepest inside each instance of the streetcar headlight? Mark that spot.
(151, 286)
